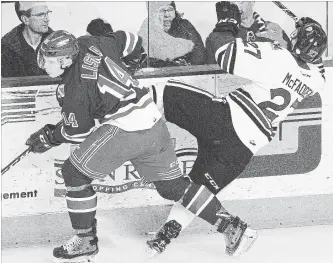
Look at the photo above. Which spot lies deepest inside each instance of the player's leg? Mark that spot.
(81, 204)
(210, 174)
(197, 200)
(185, 105)
(96, 157)
(158, 162)
(159, 165)
(221, 171)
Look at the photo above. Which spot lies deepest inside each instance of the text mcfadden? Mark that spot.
(297, 85)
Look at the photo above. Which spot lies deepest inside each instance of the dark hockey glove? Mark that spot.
(181, 61)
(134, 64)
(228, 16)
(43, 139)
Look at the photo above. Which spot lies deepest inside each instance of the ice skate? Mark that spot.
(238, 236)
(169, 231)
(80, 248)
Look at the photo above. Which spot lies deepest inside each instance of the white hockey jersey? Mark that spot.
(278, 85)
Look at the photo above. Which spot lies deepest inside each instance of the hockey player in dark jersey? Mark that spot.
(97, 88)
(230, 130)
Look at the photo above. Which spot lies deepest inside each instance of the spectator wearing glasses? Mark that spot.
(172, 40)
(19, 46)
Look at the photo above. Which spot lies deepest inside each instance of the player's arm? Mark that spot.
(77, 123)
(130, 50)
(130, 46)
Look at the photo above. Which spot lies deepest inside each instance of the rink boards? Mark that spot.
(287, 183)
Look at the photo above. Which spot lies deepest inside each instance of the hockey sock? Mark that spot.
(209, 212)
(194, 202)
(181, 215)
(197, 201)
(82, 205)
(202, 202)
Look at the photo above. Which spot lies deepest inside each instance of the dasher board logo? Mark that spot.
(296, 147)
(23, 105)
(125, 177)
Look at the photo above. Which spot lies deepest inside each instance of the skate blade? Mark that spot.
(248, 239)
(83, 259)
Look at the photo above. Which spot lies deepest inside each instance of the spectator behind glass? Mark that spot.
(173, 41)
(19, 46)
(99, 27)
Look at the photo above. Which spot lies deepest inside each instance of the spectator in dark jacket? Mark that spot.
(19, 46)
(173, 41)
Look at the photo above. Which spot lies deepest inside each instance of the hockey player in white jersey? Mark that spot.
(232, 129)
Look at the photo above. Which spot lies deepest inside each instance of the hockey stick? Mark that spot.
(21, 156)
(16, 160)
(286, 10)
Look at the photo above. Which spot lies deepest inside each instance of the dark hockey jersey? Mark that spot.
(99, 87)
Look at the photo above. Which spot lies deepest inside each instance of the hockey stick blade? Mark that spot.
(16, 160)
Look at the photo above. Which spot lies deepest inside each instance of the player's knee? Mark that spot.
(172, 189)
(72, 176)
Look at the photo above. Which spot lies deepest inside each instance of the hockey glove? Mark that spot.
(228, 16)
(134, 64)
(181, 61)
(43, 139)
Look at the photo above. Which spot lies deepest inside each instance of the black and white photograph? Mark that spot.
(166, 131)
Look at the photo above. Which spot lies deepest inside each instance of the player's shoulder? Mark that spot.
(86, 41)
(125, 36)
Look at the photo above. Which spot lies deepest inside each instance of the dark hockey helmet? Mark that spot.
(309, 40)
(58, 44)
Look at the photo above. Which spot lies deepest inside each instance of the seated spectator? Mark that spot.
(99, 27)
(172, 40)
(254, 28)
(19, 46)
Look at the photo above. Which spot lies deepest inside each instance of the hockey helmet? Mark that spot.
(309, 40)
(58, 44)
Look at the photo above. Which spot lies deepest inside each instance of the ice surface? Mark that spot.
(288, 245)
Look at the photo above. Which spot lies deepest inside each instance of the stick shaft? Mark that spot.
(16, 160)
(286, 10)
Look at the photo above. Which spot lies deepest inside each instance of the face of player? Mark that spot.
(52, 66)
(245, 8)
(38, 19)
(166, 14)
